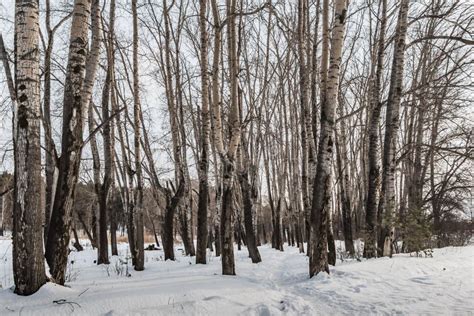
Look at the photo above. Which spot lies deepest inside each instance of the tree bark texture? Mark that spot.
(386, 215)
(370, 246)
(77, 92)
(322, 184)
(139, 224)
(28, 261)
(203, 203)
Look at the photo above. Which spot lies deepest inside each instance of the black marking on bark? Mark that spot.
(78, 40)
(330, 143)
(342, 16)
(22, 113)
(23, 98)
(29, 5)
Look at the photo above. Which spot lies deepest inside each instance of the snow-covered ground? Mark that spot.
(442, 285)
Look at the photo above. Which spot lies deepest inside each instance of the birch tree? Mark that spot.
(139, 242)
(204, 163)
(28, 263)
(228, 156)
(109, 128)
(80, 76)
(387, 206)
(374, 172)
(51, 170)
(322, 183)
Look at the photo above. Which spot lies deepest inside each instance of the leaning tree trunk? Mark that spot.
(86, 230)
(387, 212)
(322, 183)
(184, 225)
(246, 190)
(48, 139)
(50, 168)
(97, 184)
(76, 243)
(344, 185)
(170, 212)
(28, 261)
(77, 93)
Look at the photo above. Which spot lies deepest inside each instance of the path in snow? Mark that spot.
(279, 285)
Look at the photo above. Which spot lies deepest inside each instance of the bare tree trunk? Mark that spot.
(48, 141)
(100, 231)
(168, 227)
(217, 123)
(76, 244)
(185, 231)
(277, 229)
(305, 150)
(77, 94)
(228, 264)
(218, 241)
(431, 162)
(113, 231)
(2, 212)
(94, 219)
(86, 230)
(331, 240)
(109, 132)
(172, 201)
(322, 183)
(370, 246)
(344, 184)
(387, 211)
(139, 243)
(28, 262)
(228, 158)
(12, 92)
(202, 233)
(103, 189)
(51, 171)
(345, 203)
(247, 192)
(97, 183)
(128, 175)
(185, 209)
(270, 195)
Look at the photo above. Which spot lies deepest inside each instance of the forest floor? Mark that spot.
(442, 285)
